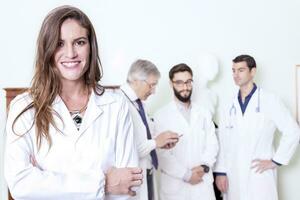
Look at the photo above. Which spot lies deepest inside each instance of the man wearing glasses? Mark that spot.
(142, 79)
(186, 169)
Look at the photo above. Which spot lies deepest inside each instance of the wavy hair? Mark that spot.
(46, 84)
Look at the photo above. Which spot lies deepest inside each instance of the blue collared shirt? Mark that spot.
(247, 99)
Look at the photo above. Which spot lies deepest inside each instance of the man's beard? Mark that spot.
(181, 98)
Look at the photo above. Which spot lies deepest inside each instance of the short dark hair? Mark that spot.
(248, 59)
(182, 67)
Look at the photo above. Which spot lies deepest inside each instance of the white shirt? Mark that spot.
(185, 111)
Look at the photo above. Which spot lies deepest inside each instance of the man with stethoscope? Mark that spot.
(247, 161)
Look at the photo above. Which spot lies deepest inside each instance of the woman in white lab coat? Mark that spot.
(197, 146)
(246, 138)
(65, 135)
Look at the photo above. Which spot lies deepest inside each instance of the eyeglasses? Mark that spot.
(180, 83)
(151, 85)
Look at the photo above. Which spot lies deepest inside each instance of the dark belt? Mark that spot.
(150, 185)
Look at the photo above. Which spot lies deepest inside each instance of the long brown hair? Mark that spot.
(46, 85)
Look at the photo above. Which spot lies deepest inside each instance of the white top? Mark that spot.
(185, 111)
(74, 166)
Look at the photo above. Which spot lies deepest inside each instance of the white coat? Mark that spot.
(197, 146)
(143, 144)
(244, 138)
(73, 168)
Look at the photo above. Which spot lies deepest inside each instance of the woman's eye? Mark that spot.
(60, 44)
(80, 43)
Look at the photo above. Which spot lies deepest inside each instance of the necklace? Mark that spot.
(76, 115)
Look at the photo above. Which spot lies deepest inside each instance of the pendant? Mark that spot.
(77, 118)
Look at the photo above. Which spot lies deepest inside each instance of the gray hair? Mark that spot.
(141, 69)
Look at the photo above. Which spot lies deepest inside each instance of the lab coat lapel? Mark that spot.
(253, 119)
(67, 126)
(94, 110)
(195, 116)
(256, 121)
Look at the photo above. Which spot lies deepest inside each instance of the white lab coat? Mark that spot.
(244, 138)
(143, 144)
(73, 168)
(197, 146)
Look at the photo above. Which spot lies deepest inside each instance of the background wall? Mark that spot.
(168, 32)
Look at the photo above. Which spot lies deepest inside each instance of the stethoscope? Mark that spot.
(232, 109)
(257, 109)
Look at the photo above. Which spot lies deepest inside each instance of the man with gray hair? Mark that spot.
(142, 79)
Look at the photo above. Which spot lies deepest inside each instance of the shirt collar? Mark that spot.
(250, 94)
(181, 106)
(129, 92)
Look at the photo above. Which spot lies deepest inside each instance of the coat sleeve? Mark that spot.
(126, 152)
(211, 145)
(289, 130)
(144, 145)
(27, 181)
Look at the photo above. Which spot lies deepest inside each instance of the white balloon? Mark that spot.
(205, 70)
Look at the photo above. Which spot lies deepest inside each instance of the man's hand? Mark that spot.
(263, 165)
(197, 174)
(222, 183)
(166, 140)
(121, 180)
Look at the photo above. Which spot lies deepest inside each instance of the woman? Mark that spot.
(65, 136)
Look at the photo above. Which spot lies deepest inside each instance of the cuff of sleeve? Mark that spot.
(277, 163)
(90, 182)
(152, 144)
(220, 174)
(187, 176)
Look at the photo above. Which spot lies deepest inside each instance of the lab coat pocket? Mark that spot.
(262, 185)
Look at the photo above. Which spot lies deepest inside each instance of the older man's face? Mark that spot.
(146, 87)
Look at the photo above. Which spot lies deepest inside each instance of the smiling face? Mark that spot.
(73, 51)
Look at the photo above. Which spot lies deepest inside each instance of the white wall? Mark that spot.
(168, 32)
